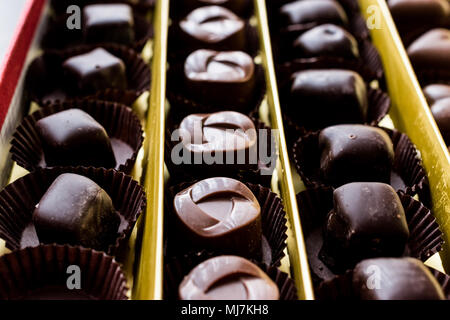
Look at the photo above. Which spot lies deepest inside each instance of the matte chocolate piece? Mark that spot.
(213, 27)
(441, 113)
(435, 92)
(431, 50)
(94, 71)
(228, 278)
(419, 12)
(73, 138)
(320, 98)
(108, 23)
(237, 6)
(220, 78)
(368, 220)
(77, 211)
(395, 279)
(229, 135)
(355, 153)
(313, 11)
(220, 214)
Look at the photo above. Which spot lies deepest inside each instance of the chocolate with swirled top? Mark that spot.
(213, 27)
(228, 278)
(224, 78)
(431, 50)
(220, 214)
(355, 153)
(313, 11)
(326, 40)
(368, 220)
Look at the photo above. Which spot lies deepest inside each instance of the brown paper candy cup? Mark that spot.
(46, 85)
(18, 201)
(255, 173)
(273, 221)
(41, 273)
(119, 121)
(178, 267)
(314, 205)
(407, 164)
(182, 104)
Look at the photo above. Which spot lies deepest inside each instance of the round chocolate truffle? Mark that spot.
(313, 11)
(435, 92)
(431, 50)
(441, 113)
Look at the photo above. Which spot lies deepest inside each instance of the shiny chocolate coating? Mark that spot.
(320, 98)
(355, 153)
(313, 11)
(239, 7)
(108, 23)
(224, 78)
(77, 211)
(421, 12)
(435, 92)
(220, 214)
(441, 113)
(368, 220)
(228, 278)
(326, 40)
(93, 71)
(395, 279)
(431, 50)
(73, 138)
(213, 27)
(231, 134)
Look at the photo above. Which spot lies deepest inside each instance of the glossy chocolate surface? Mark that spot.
(320, 98)
(75, 210)
(431, 50)
(220, 78)
(239, 7)
(213, 27)
(435, 92)
(220, 214)
(316, 11)
(326, 40)
(94, 71)
(108, 23)
(441, 113)
(419, 11)
(72, 138)
(395, 279)
(368, 220)
(355, 153)
(228, 278)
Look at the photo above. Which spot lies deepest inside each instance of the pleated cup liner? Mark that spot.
(407, 164)
(379, 105)
(340, 287)
(118, 120)
(259, 173)
(18, 201)
(24, 273)
(178, 267)
(179, 9)
(273, 222)
(183, 104)
(59, 37)
(46, 85)
(314, 205)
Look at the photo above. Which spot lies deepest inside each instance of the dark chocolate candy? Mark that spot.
(73, 138)
(320, 98)
(220, 214)
(435, 92)
(213, 27)
(431, 50)
(75, 210)
(237, 6)
(108, 23)
(224, 78)
(228, 278)
(368, 220)
(419, 12)
(326, 40)
(94, 71)
(355, 153)
(313, 11)
(395, 279)
(441, 113)
(226, 136)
